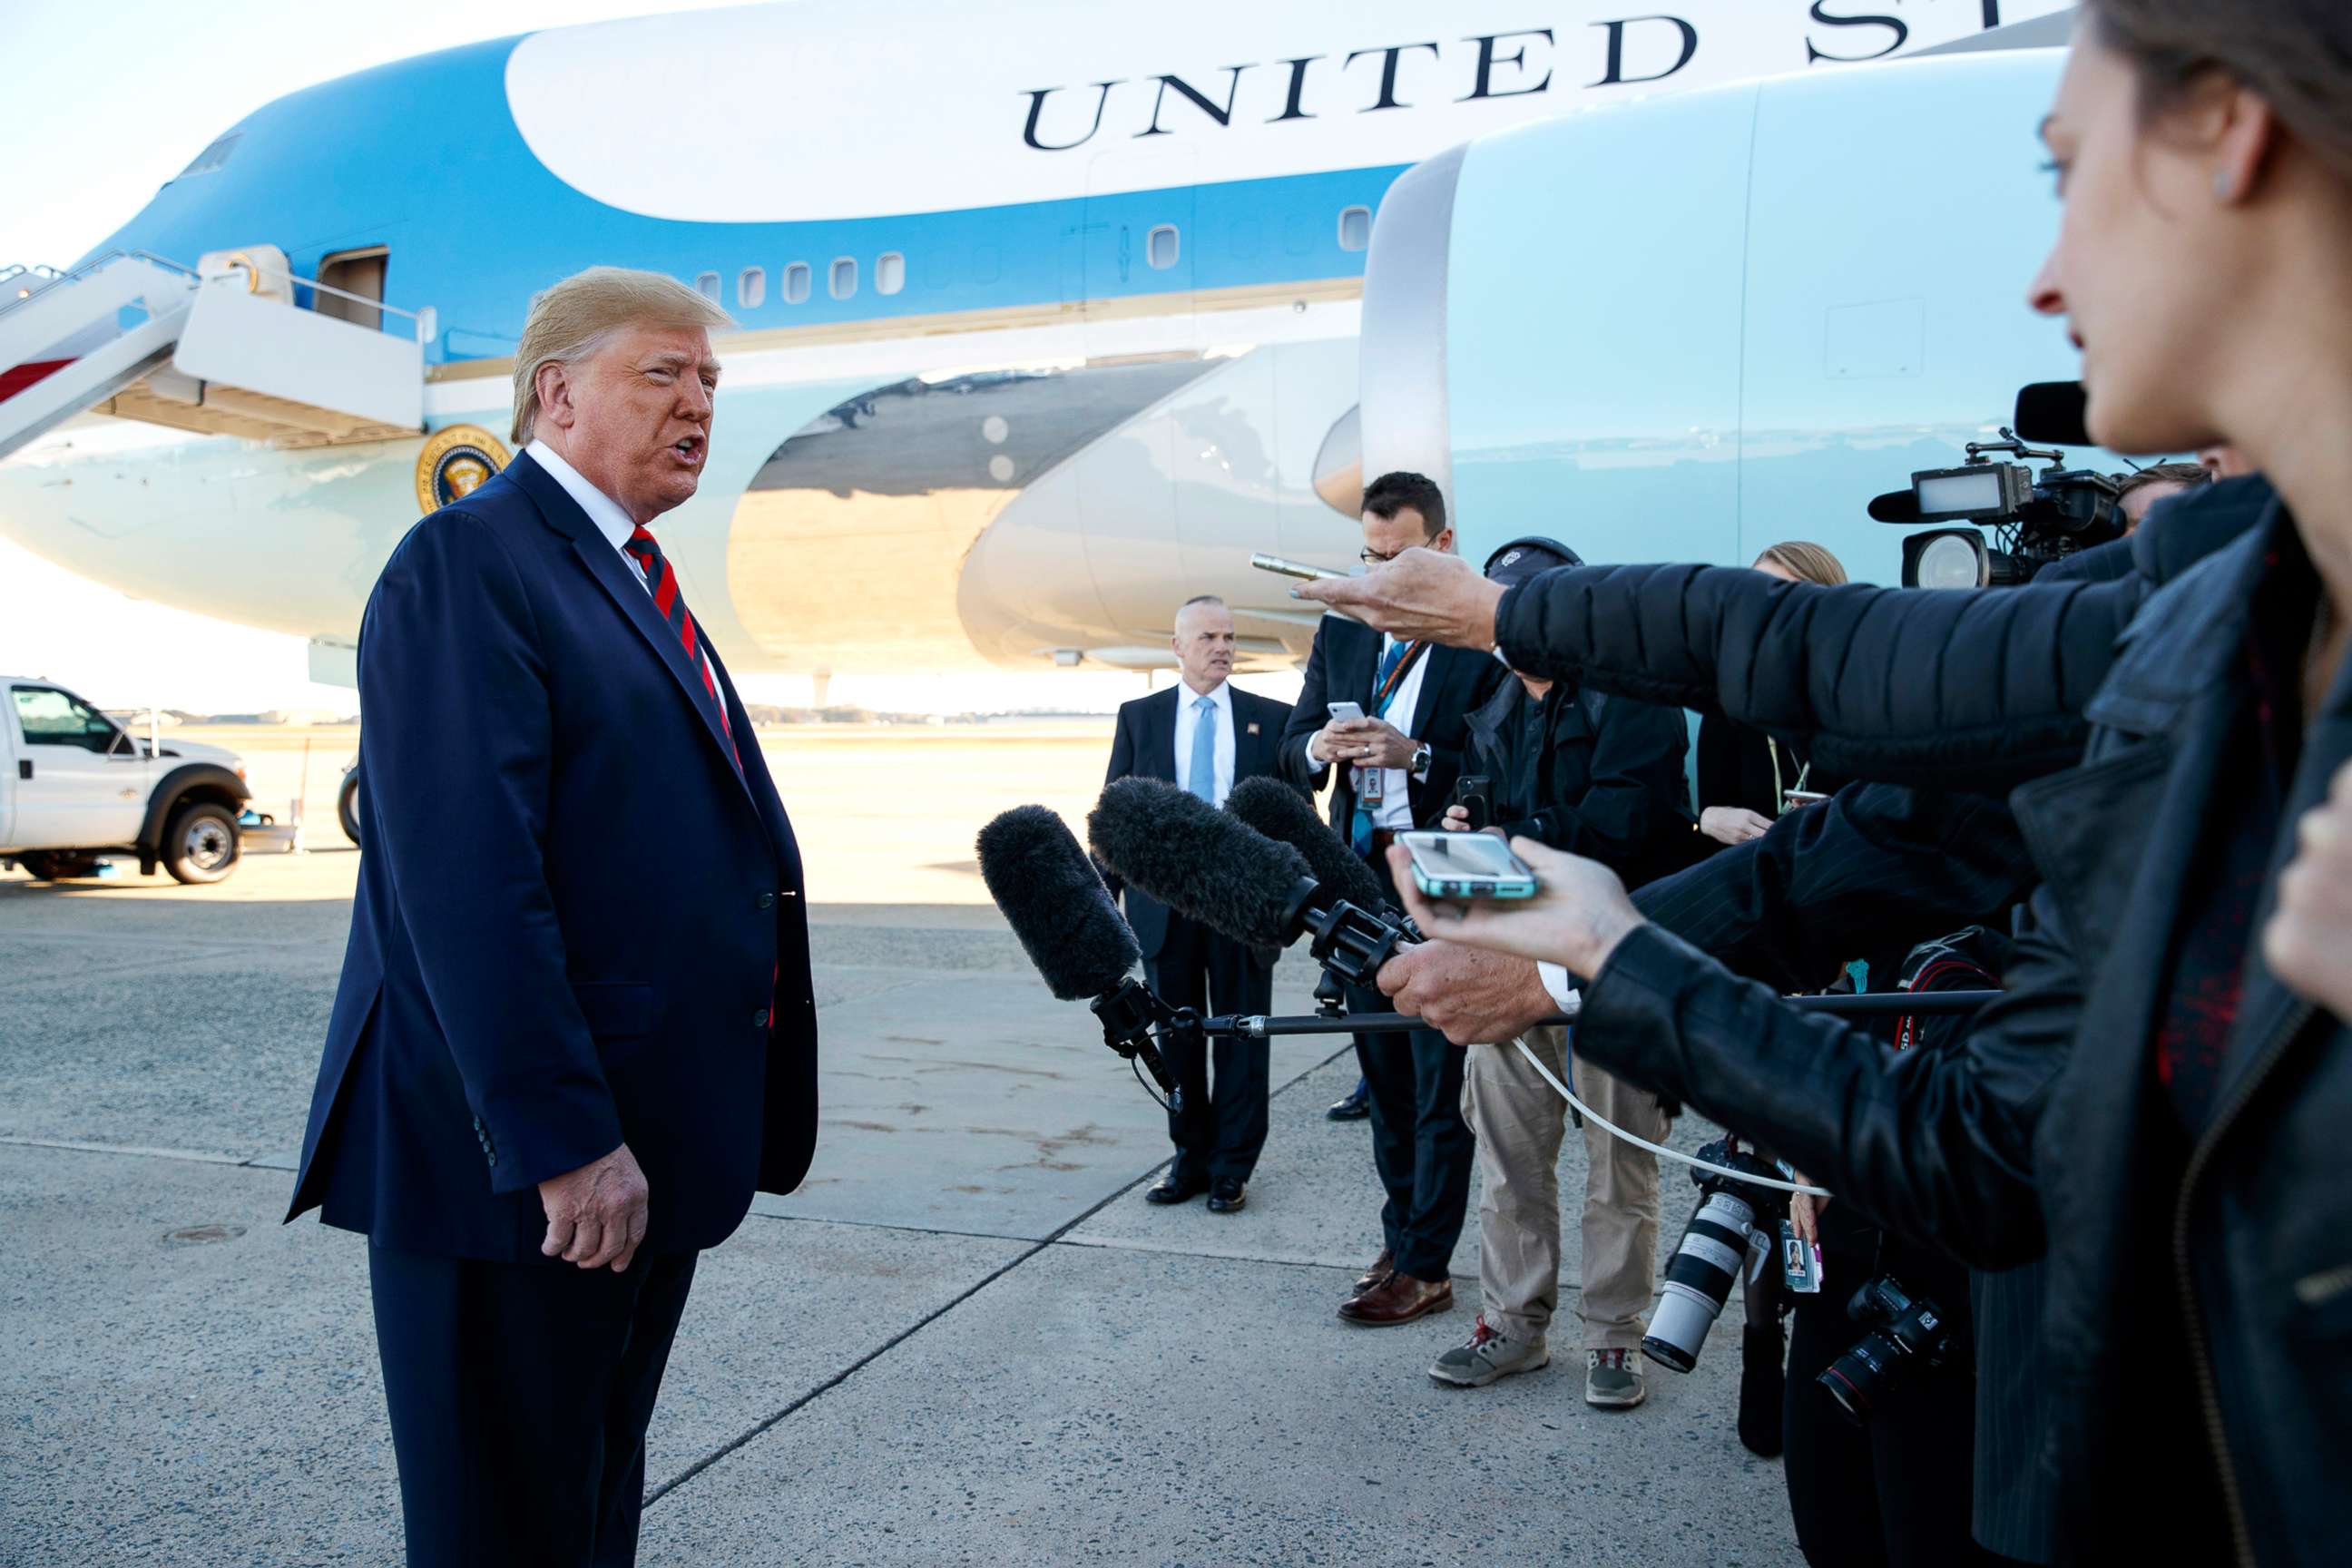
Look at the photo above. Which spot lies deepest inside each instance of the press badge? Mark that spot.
(1371, 785)
(1801, 1261)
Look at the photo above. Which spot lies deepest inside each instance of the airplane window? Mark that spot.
(796, 283)
(1160, 246)
(50, 718)
(1355, 228)
(752, 288)
(211, 157)
(985, 266)
(889, 272)
(843, 281)
(706, 285)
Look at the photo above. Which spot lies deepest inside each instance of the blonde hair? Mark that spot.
(1805, 562)
(573, 319)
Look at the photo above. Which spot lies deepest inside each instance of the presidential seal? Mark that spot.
(454, 460)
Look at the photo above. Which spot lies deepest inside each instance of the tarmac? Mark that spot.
(965, 1340)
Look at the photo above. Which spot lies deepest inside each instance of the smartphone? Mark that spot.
(1797, 799)
(1474, 794)
(1278, 565)
(1345, 712)
(1468, 866)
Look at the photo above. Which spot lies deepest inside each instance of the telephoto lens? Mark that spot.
(1909, 1332)
(1731, 1230)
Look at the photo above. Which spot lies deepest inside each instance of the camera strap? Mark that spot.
(1658, 1149)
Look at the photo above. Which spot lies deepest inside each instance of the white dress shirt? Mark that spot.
(611, 521)
(1187, 720)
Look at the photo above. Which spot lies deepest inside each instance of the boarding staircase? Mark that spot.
(224, 348)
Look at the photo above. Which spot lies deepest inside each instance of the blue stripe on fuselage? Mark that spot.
(422, 157)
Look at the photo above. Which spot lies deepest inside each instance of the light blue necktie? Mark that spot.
(1203, 780)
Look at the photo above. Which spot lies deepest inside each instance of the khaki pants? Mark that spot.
(1518, 1120)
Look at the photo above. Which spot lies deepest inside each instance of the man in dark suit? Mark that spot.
(1397, 766)
(575, 1028)
(1201, 734)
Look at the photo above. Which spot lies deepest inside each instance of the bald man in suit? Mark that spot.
(1200, 735)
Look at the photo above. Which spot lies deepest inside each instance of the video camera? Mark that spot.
(2036, 519)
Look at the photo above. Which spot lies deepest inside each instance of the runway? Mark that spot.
(966, 1340)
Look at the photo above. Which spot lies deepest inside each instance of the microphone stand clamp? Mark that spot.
(1132, 1016)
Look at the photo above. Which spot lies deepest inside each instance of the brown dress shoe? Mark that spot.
(1399, 1298)
(1382, 1266)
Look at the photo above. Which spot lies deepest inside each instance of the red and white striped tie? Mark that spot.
(662, 578)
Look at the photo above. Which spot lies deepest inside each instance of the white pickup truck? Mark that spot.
(75, 785)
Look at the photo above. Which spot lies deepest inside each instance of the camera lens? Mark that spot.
(1700, 1276)
(1856, 1379)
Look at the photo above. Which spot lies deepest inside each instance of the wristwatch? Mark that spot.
(1421, 759)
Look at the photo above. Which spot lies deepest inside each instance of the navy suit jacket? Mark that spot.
(1341, 667)
(1145, 747)
(573, 916)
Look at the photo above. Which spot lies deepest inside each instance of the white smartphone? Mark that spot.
(1468, 866)
(1345, 712)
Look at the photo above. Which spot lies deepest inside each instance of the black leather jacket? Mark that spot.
(2200, 1315)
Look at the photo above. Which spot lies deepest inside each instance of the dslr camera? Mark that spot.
(1907, 1333)
(1735, 1227)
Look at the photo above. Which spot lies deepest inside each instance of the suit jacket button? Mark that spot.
(759, 1019)
(767, 901)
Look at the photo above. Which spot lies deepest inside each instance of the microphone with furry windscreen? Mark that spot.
(1056, 904)
(1201, 862)
(1287, 816)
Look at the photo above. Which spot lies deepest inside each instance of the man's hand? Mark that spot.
(1805, 1212)
(2309, 936)
(1420, 594)
(1469, 995)
(1577, 917)
(1373, 742)
(1733, 824)
(596, 1215)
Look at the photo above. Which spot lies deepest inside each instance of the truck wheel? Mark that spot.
(347, 805)
(57, 865)
(200, 843)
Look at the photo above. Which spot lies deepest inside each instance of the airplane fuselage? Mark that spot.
(1045, 322)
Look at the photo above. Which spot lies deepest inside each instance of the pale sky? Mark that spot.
(125, 92)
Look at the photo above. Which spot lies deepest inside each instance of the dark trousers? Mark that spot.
(1220, 1133)
(519, 1395)
(1896, 1492)
(1420, 1146)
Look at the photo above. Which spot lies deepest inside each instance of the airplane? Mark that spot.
(1044, 313)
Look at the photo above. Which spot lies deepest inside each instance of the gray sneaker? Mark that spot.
(1612, 1379)
(1488, 1355)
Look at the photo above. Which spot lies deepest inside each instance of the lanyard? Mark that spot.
(1387, 693)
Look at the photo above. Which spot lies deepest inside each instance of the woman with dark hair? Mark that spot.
(2159, 1101)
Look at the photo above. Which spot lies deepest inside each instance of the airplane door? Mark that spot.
(87, 783)
(1139, 245)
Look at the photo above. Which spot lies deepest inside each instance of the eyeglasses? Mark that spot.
(1378, 557)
